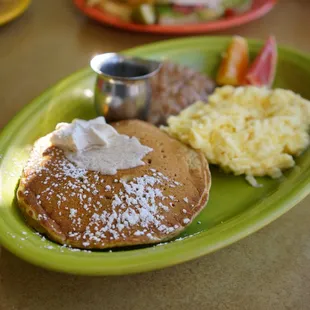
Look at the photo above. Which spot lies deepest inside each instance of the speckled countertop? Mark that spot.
(268, 270)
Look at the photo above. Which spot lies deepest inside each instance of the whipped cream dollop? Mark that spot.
(95, 145)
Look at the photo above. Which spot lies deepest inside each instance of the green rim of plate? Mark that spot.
(151, 258)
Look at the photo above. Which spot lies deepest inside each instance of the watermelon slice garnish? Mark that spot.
(262, 71)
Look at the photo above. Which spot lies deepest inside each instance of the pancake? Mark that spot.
(142, 205)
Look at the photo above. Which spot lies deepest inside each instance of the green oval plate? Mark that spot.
(234, 211)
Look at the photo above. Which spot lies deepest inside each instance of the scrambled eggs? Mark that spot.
(246, 130)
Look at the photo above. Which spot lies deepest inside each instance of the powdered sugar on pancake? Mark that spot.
(136, 208)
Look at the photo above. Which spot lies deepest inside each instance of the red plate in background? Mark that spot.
(259, 9)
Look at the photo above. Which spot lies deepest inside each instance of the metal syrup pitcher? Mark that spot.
(122, 89)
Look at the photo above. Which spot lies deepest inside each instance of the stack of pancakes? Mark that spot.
(142, 205)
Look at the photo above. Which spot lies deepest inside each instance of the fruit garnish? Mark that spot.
(234, 64)
(262, 71)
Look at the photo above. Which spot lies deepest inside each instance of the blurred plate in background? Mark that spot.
(259, 9)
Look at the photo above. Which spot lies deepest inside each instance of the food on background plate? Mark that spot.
(116, 8)
(171, 12)
(246, 130)
(152, 201)
(235, 70)
(174, 88)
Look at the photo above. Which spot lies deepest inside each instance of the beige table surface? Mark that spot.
(268, 270)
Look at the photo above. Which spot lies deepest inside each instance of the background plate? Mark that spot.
(259, 9)
(235, 209)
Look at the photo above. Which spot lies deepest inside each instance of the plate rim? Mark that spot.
(175, 252)
(198, 28)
